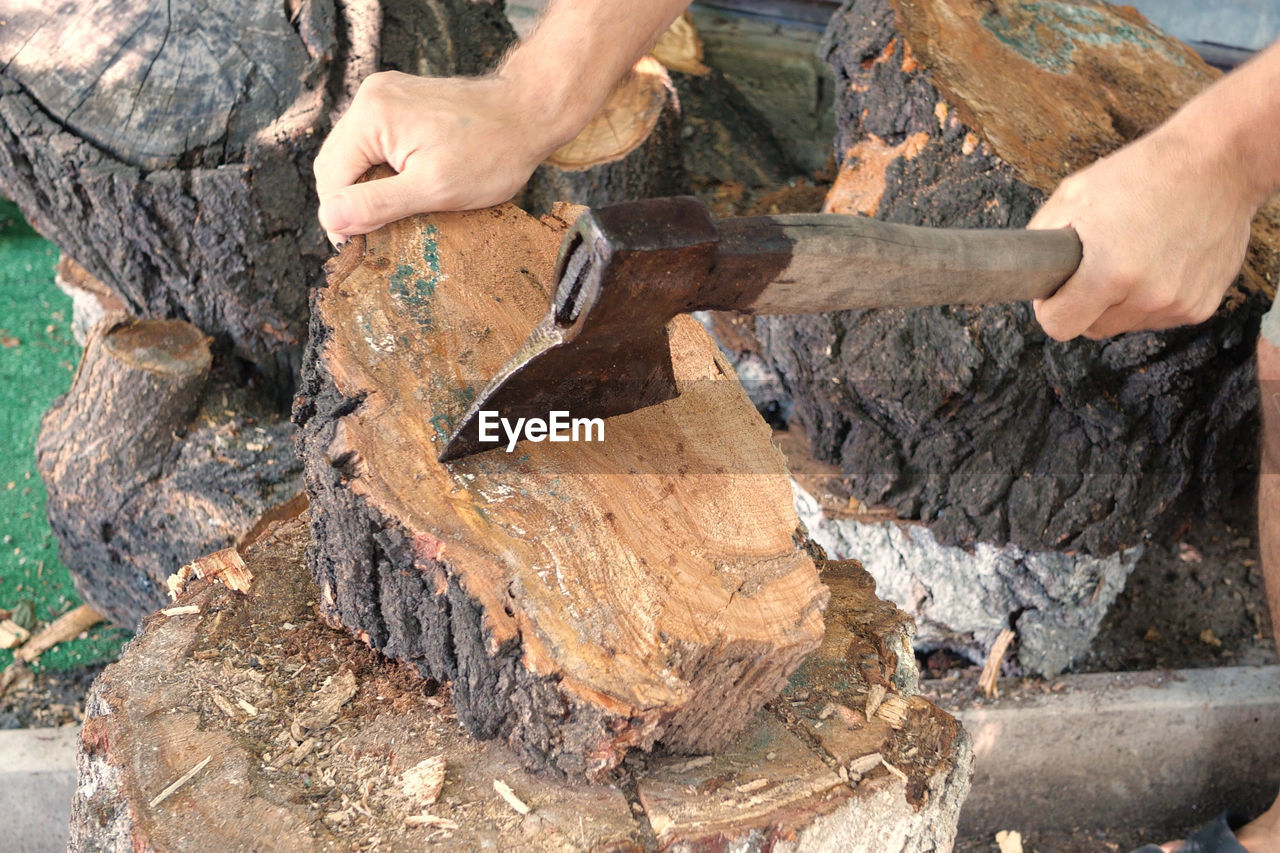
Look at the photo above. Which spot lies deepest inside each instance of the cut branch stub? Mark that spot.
(629, 150)
(585, 598)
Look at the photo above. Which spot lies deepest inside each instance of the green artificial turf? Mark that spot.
(37, 360)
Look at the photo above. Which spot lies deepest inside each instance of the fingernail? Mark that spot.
(337, 213)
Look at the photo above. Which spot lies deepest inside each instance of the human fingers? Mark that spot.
(361, 208)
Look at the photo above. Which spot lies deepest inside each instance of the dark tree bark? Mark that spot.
(172, 157)
(149, 463)
(972, 420)
(311, 741)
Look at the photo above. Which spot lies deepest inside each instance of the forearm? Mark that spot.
(1235, 124)
(578, 53)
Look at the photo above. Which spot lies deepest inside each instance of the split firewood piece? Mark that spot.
(68, 626)
(583, 597)
(631, 149)
(150, 463)
(396, 769)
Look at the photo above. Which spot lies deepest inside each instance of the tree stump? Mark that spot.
(171, 156)
(149, 463)
(301, 738)
(585, 598)
(630, 150)
(1027, 472)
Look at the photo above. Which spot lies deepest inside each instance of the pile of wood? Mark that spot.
(170, 155)
(988, 476)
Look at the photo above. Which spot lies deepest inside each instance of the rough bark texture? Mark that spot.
(173, 157)
(309, 734)
(149, 464)
(972, 420)
(585, 598)
(630, 150)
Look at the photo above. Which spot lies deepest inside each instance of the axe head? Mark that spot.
(624, 272)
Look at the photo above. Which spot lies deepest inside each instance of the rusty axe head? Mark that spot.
(624, 271)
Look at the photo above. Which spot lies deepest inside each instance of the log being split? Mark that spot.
(585, 598)
(241, 721)
(149, 462)
(971, 420)
(629, 150)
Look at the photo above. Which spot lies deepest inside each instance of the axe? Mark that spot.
(625, 270)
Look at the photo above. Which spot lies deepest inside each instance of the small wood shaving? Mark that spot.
(431, 821)
(1009, 841)
(179, 782)
(504, 791)
(863, 765)
(990, 677)
(225, 705)
(851, 718)
(691, 764)
(248, 709)
(753, 785)
(424, 780)
(895, 771)
(177, 582)
(827, 710)
(304, 749)
(875, 695)
(336, 692)
(184, 610)
(12, 634)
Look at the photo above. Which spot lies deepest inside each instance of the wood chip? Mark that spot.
(504, 791)
(851, 718)
(989, 680)
(224, 705)
(248, 709)
(753, 785)
(68, 626)
(184, 610)
(863, 765)
(177, 582)
(894, 711)
(225, 566)
(431, 821)
(336, 691)
(1009, 841)
(179, 782)
(827, 710)
(875, 695)
(895, 771)
(304, 749)
(424, 780)
(12, 634)
(691, 764)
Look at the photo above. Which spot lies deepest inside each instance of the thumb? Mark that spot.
(361, 208)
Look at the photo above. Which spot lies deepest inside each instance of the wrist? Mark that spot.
(554, 101)
(1216, 150)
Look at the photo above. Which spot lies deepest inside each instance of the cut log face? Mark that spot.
(302, 739)
(149, 463)
(586, 597)
(169, 149)
(972, 420)
(629, 150)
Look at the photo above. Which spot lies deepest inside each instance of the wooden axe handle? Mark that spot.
(803, 264)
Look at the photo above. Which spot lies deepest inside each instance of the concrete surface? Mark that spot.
(37, 781)
(1148, 749)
